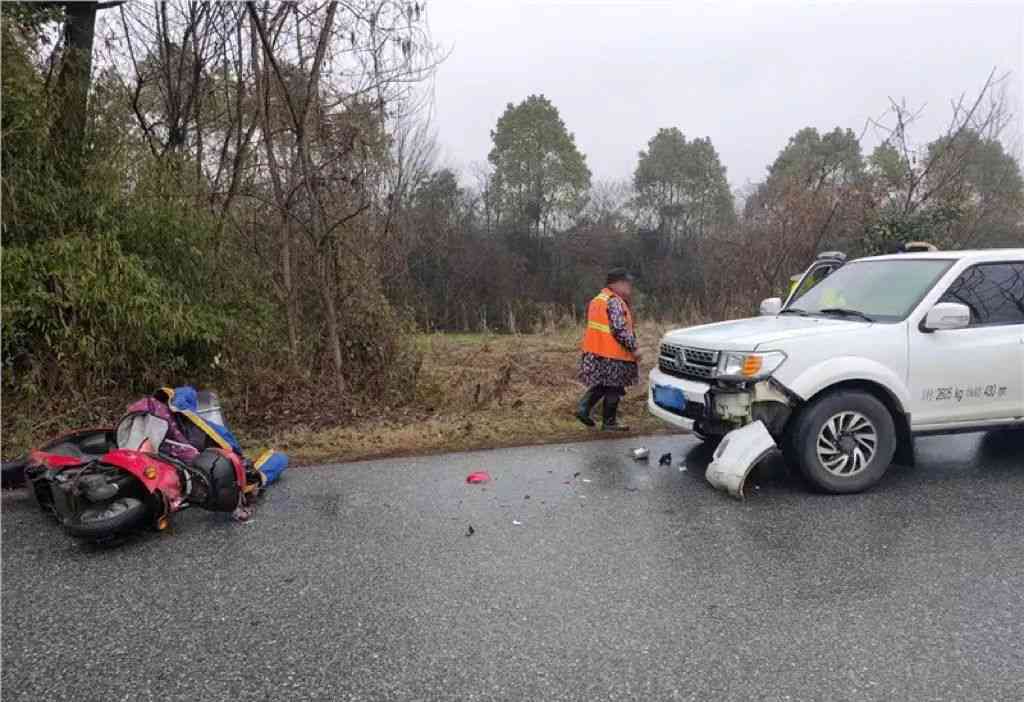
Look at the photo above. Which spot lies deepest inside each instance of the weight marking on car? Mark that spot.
(976, 392)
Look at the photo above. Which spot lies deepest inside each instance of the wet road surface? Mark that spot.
(627, 581)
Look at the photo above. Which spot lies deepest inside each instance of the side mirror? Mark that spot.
(771, 306)
(947, 315)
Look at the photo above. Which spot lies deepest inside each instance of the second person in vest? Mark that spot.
(610, 356)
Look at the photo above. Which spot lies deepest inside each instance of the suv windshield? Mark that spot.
(883, 291)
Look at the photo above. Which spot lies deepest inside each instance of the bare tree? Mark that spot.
(339, 69)
(184, 66)
(985, 115)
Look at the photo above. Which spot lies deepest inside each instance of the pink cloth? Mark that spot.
(175, 444)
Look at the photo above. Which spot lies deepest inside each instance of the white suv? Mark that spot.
(862, 356)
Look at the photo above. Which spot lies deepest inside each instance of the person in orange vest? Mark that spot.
(610, 356)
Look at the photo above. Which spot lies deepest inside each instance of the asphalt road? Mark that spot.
(588, 577)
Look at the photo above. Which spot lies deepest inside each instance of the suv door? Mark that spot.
(976, 373)
(822, 268)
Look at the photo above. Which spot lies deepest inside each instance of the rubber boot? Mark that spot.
(586, 404)
(610, 413)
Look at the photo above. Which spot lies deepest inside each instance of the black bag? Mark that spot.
(217, 489)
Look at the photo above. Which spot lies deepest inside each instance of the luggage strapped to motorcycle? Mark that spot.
(218, 439)
(187, 403)
(222, 444)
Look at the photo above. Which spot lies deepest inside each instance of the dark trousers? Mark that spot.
(609, 394)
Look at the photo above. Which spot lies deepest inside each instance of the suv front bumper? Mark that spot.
(719, 409)
(694, 391)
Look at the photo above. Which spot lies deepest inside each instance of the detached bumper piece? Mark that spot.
(740, 450)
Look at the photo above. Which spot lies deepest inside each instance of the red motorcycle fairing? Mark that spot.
(55, 460)
(156, 474)
(74, 448)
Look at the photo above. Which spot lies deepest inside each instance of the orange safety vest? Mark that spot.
(598, 337)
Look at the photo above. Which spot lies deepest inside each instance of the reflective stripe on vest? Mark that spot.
(598, 338)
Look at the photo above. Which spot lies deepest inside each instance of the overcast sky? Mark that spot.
(747, 75)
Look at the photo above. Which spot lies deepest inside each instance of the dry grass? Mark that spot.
(474, 391)
(479, 391)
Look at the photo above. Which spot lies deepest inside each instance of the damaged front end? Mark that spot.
(747, 415)
(729, 396)
(730, 405)
(736, 456)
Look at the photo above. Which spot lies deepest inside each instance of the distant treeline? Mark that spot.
(531, 240)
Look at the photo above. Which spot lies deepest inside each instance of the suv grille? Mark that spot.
(687, 362)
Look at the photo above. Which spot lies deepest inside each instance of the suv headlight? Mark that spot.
(749, 366)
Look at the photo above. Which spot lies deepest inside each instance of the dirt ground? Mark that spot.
(479, 391)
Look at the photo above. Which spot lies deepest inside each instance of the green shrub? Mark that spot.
(79, 311)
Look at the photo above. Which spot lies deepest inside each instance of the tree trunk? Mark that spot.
(68, 131)
(319, 234)
(327, 293)
(290, 307)
(291, 311)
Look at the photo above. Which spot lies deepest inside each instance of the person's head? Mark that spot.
(620, 281)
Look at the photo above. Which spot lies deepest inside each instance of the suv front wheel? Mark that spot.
(844, 441)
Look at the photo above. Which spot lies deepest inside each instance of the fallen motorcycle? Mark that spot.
(169, 452)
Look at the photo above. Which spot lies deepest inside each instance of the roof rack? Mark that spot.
(917, 246)
(839, 255)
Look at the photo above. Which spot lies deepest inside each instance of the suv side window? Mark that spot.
(994, 292)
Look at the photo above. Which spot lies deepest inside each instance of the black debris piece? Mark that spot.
(665, 460)
(470, 531)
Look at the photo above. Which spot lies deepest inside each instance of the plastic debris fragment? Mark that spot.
(640, 454)
(516, 523)
(480, 476)
(734, 459)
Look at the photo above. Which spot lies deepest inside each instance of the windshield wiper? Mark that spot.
(794, 310)
(846, 313)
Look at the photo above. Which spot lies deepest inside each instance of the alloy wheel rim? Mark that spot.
(846, 443)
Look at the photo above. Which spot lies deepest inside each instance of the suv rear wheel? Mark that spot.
(844, 441)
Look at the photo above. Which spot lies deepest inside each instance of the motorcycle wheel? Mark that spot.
(97, 521)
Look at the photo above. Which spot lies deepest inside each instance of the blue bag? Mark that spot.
(271, 464)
